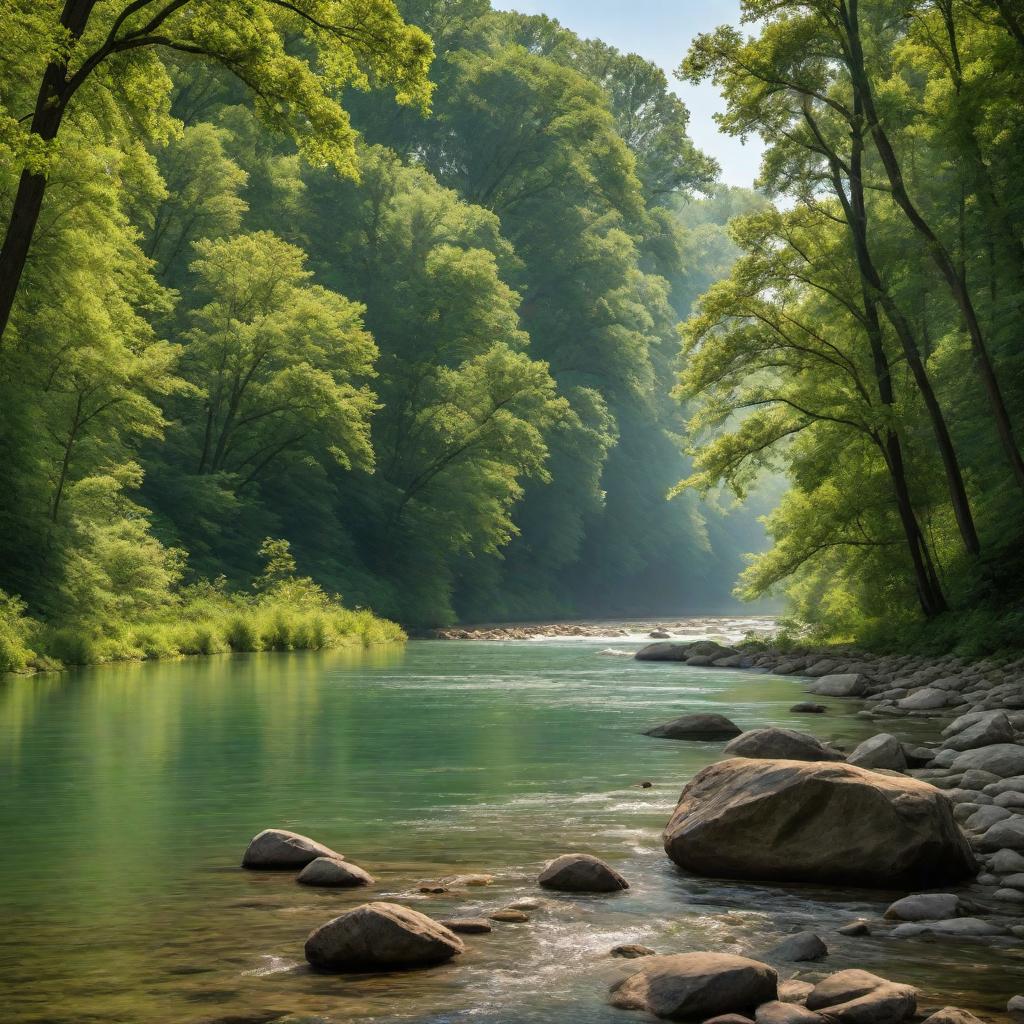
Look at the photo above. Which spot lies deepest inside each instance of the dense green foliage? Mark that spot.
(867, 342)
(280, 276)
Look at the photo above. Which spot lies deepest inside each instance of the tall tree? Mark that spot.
(79, 43)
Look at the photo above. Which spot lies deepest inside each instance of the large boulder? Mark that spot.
(787, 744)
(662, 651)
(277, 849)
(695, 986)
(334, 874)
(881, 751)
(381, 936)
(579, 872)
(842, 684)
(707, 726)
(816, 822)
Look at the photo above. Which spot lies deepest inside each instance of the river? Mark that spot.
(129, 793)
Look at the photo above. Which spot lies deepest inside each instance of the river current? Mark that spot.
(128, 793)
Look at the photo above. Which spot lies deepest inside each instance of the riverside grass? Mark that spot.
(203, 619)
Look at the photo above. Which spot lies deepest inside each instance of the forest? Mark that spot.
(320, 307)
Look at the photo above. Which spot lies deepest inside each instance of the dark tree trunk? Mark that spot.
(51, 101)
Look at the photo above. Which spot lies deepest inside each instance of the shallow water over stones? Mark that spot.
(130, 793)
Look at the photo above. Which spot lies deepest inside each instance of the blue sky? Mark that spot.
(661, 30)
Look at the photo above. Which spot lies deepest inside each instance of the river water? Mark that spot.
(129, 793)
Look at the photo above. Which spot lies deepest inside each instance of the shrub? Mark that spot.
(16, 632)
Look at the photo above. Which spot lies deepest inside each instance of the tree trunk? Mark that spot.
(28, 201)
(940, 256)
(874, 291)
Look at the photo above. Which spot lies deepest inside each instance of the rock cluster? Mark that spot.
(720, 988)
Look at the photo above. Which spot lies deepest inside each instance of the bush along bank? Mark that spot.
(206, 618)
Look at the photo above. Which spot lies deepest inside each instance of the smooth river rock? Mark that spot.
(817, 822)
(1002, 759)
(843, 684)
(696, 986)
(663, 652)
(775, 743)
(881, 751)
(381, 936)
(924, 906)
(332, 873)
(579, 872)
(707, 726)
(858, 997)
(803, 946)
(277, 849)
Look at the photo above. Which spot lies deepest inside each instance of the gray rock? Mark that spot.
(1002, 759)
(1011, 798)
(825, 667)
(659, 634)
(380, 936)
(663, 652)
(844, 684)
(963, 926)
(807, 707)
(1007, 862)
(331, 873)
(729, 1018)
(778, 1012)
(975, 778)
(925, 699)
(1015, 1008)
(881, 751)
(278, 849)
(787, 744)
(1014, 784)
(696, 986)
(801, 947)
(985, 817)
(988, 728)
(1009, 895)
(579, 872)
(696, 727)
(943, 759)
(924, 906)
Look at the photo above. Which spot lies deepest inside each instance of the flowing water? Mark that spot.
(127, 795)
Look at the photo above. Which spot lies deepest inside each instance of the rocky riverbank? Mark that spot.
(976, 756)
(722, 628)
